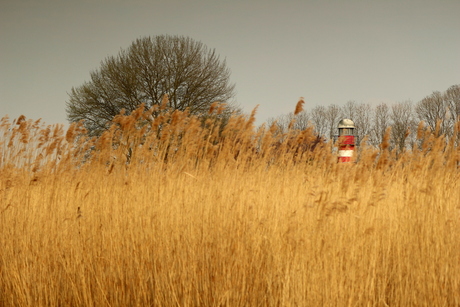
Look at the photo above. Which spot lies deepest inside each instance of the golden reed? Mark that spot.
(169, 209)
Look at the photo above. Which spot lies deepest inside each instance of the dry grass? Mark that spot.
(204, 216)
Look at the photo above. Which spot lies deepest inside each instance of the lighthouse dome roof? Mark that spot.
(346, 123)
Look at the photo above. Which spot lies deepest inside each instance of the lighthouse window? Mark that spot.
(346, 131)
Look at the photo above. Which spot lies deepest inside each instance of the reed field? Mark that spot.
(168, 209)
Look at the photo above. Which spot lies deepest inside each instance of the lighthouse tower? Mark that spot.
(346, 141)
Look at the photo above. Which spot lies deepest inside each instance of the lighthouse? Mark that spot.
(346, 140)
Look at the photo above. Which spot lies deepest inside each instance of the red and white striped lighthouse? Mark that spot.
(346, 141)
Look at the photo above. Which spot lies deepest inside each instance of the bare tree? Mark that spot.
(452, 97)
(318, 120)
(349, 109)
(432, 109)
(403, 124)
(363, 120)
(333, 115)
(282, 121)
(302, 120)
(299, 122)
(381, 122)
(192, 75)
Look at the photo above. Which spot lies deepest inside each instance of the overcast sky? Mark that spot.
(329, 52)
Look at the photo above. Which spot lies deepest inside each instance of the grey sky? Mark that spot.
(326, 51)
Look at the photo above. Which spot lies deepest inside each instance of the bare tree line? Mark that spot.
(438, 112)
